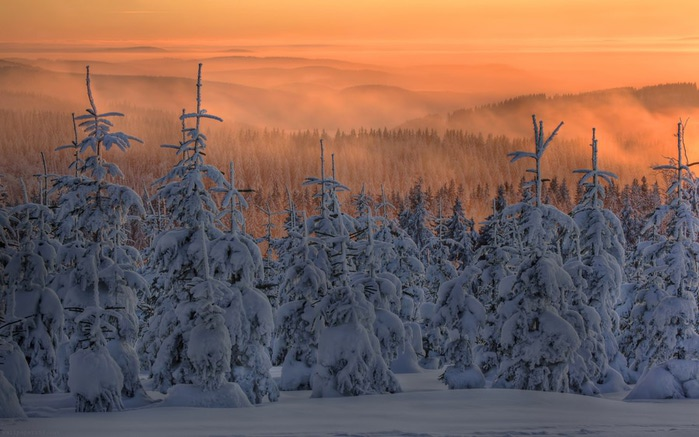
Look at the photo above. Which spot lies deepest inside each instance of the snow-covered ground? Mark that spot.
(425, 408)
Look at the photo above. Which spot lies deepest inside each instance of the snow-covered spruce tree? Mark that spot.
(460, 236)
(463, 316)
(415, 217)
(384, 293)
(536, 342)
(372, 254)
(14, 367)
(494, 259)
(664, 316)
(349, 354)
(400, 263)
(602, 251)
(285, 248)
(35, 311)
(272, 267)
(194, 304)
(94, 377)
(363, 203)
(298, 325)
(237, 260)
(439, 267)
(100, 266)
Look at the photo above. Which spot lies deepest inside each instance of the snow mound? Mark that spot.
(9, 404)
(674, 379)
(463, 377)
(14, 367)
(96, 380)
(229, 395)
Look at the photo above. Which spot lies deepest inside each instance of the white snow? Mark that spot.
(9, 404)
(674, 379)
(426, 408)
(228, 395)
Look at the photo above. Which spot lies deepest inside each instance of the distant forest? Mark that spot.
(447, 160)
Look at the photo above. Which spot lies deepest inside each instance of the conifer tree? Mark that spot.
(298, 324)
(100, 268)
(663, 319)
(35, 311)
(537, 343)
(349, 354)
(463, 316)
(602, 251)
(198, 300)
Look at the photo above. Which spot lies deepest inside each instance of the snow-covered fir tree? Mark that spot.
(35, 312)
(537, 343)
(415, 216)
(382, 293)
(14, 368)
(463, 316)
(298, 325)
(350, 361)
(494, 259)
(602, 252)
(100, 268)
(236, 259)
(663, 318)
(460, 236)
(439, 267)
(194, 301)
(94, 378)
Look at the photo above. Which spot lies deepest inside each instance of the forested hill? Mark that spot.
(615, 108)
(655, 98)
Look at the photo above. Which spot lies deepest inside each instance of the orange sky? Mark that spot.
(476, 24)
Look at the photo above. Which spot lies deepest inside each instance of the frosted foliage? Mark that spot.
(40, 335)
(9, 404)
(209, 348)
(179, 254)
(591, 364)
(350, 365)
(438, 272)
(252, 362)
(167, 336)
(407, 361)
(390, 332)
(538, 359)
(235, 257)
(537, 343)
(380, 291)
(662, 321)
(667, 330)
(171, 364)
(297, 342)
(94, 378)
(126, 358)
(297, 324)
(186, 197)
(463, 316)
(673, 379)
(544, 228)
(14, 367)
(349, 354)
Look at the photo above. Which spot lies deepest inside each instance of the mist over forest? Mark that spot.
(449, 127)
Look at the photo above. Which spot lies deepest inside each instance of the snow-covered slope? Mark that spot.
(425, 408)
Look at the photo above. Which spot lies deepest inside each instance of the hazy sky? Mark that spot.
(667, 25)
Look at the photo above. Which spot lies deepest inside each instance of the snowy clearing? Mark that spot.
(425, 408)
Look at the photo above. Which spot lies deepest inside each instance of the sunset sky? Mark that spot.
(331, 64)
(476, 24)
